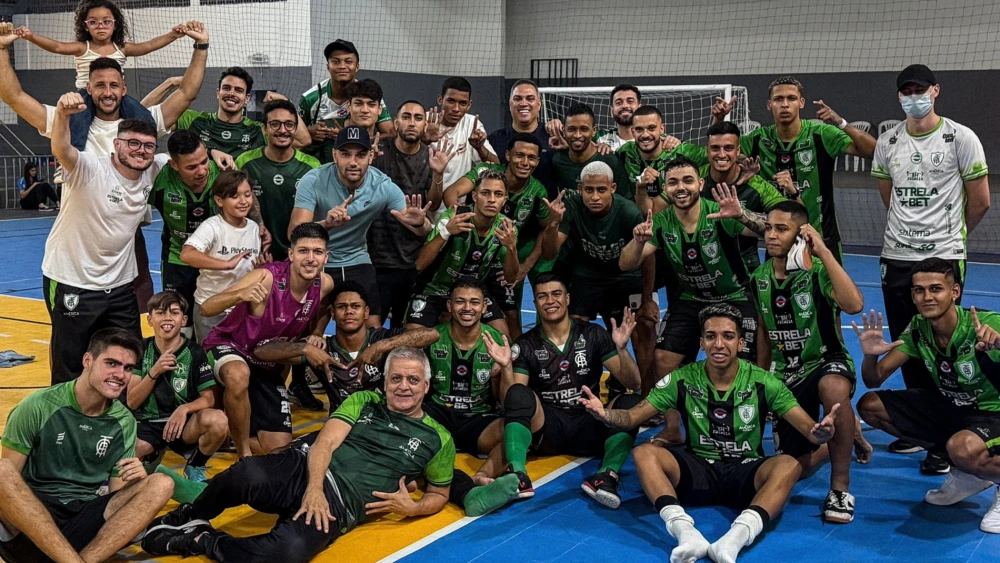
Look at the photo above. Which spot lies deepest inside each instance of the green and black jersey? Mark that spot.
(801, 319)
(183, 211)
(233, 139)
(70, 455)
(177, 387)
(345, 381)
(566, 173)
(810, 159)
(635, 164)
(524, 208)
(274, 184)
(462, 379)
(755, 195)
(383, 446)
(316, 105)
(463, 256)
(597, 242)
(558, 374)
(723, 424)
(964, 375)
(708, 262)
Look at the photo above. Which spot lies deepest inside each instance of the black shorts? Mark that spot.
(569, 432)
(425, 310)
(183, 280)
(715, 482)
(680, 333)
(608, 297)
(151, 432)
(504, 294)
(363, 274)
(464, 428)
(788, 440)
(927, 418)
(79, 522)
(269, 407)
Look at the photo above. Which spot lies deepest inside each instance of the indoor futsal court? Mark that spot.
(560, 523)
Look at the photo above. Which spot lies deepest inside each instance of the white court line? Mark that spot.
(18, 281)
(5, 335)
(46, 342)
(412, 548)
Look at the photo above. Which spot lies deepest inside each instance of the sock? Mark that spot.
(664, 501)
(461, 485)
(184, 490)
(481, 500)
(616, 450)
(691, 545)
(744, 530)
(199, 459)
(517, 440)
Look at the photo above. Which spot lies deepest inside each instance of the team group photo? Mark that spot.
(498, 281)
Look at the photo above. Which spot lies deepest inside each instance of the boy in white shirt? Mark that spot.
(225, 247)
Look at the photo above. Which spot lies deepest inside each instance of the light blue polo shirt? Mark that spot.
(320, 190)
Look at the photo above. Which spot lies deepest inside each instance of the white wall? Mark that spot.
(692, 37)
(278, 30)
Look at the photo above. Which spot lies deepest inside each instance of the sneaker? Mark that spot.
(168, 540)
(195, 473)
(901, 446)
(173, 519)
(957, 487)
(839, 507)
(991, 522)
(301, 395)
(603, 487)
(936, 463)
(524, 487)
(314, 384)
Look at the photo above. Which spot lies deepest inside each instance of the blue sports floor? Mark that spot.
(561, 524)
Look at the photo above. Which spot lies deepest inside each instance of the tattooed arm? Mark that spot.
(617, 419)
(754, 223)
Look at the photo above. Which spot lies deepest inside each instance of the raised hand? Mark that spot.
(235, 260)
(439, 158)
(478, 136)
(554, 128)
(23, 32)
(823, 430)
(507, 234)
(750, 167)
(70, 104)
(987, 337)
(255, 293)
(557, 208)
(414, 215)
(166, 362)
(196, 30)
(9, 35)
(786, 184)
(649, 176)
(827, 114)
(500, 352)
(271, 96)
(593, 404)
(669, 142)
(459, 222)
(435, 129)
(338, 216)
(223, 160)
(644, 231)
(558, 143)
(265, 239)
(721, 108)
(376, 150)
(813, 239)
(621, 333)
(872, 338)
(178, 30)
(728, 200)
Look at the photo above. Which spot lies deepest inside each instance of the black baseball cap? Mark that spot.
(916, 74)
(353, 135)
(340, 45)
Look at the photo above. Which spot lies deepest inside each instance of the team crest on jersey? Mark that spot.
(483, 375)
(804, 300)
(282, 284)
(937, 158)
(278, 179)
(711, 250)
(227, 135)
(746, 413)
(966, 370)
(71, 300)
(102, 446)
(418, 305)
(515, 351)
(180, 383)
(663, 382)
(522, 214)
(805, 157)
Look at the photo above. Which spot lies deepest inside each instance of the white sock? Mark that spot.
(744, 530)
(691, 545)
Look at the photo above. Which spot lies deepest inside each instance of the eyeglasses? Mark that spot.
(277, 125)
(100, 23)
(135, 144)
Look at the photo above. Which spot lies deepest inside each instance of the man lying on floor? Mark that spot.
(370, 444)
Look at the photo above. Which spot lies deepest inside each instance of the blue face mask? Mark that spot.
(917, 105)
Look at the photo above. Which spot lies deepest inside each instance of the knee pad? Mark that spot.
(519, 405)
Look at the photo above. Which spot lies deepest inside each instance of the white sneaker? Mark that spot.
(991, 522)
(957, 487)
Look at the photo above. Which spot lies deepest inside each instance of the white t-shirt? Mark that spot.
(219, 239)
(928, 172)
(466, 156)
(92, 243)
(610, 137)
(101, 138)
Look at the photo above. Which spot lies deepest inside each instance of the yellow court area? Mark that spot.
(24, 327)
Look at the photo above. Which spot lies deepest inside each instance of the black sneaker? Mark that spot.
(524, 487)
(901, 446)
(303, 396)
(936, 463)
(174, 519)
(839, 507)
(603, 487)
(170, 540)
